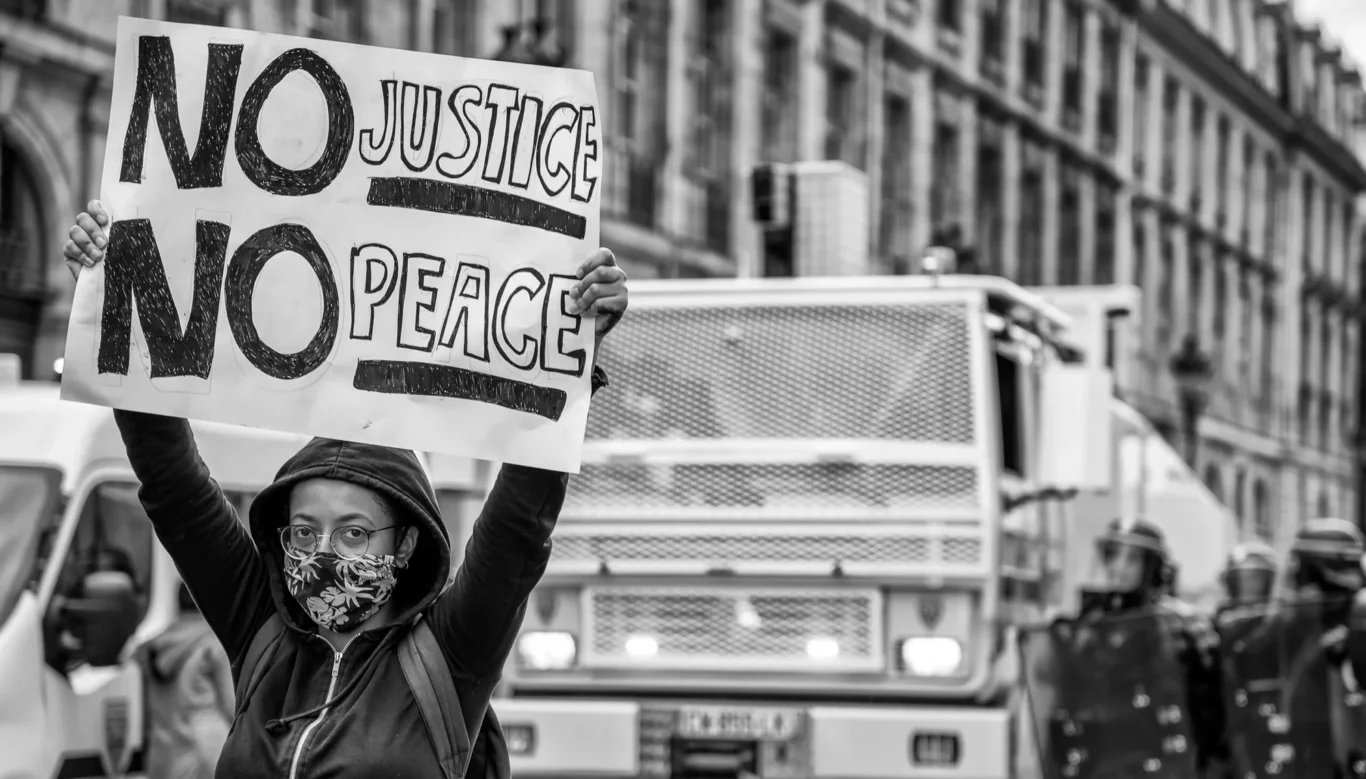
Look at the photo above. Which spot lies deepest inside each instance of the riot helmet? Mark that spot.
(1327, 555)
(1132, 566)
(1249, 574)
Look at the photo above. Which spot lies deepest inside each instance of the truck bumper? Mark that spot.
(641, 739)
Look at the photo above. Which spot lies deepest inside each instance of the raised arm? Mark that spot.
(198, 526)
(477, 619)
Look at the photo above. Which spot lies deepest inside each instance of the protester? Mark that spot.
(349, 551)
(189, 696)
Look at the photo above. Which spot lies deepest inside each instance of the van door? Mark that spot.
(96, 592)
(29, 499)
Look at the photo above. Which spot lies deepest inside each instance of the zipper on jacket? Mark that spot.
(331, 690)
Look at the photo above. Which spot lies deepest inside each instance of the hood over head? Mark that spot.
(398, 478)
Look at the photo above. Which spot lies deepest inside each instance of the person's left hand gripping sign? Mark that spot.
(601, 292)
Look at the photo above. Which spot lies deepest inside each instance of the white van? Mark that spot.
(83, 580)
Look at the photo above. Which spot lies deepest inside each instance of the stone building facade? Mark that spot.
(1199, 149)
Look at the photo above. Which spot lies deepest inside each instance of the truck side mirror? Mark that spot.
(104, 617)
(1077, 450)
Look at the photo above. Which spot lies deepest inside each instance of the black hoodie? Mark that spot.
(372, 726)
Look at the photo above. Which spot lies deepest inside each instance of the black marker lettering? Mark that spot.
(157, 84)
(501, 102)
(416, 297)
(374, 276)
(524, 142)
(587, 150)
(459, 104)
(523, 280)
(448, 197)
(393, 377)
(554, 174)
(263, 171)
(375, 152)
(134, 270)
(421, 122)
(556, 323)
(246, 265)
(469, 310)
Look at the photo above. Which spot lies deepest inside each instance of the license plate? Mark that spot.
(737, 723)
(935, 749)
(521, 739)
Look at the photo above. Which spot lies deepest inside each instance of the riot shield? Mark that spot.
(1107, 697)
(1295, 710)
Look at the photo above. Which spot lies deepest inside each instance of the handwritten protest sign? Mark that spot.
(345, 241)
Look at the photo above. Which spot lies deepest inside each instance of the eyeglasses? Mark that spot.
(348, 542)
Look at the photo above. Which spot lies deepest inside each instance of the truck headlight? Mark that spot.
(547, 650)
(931, 655)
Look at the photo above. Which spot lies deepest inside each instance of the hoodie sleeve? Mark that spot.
(477, 619)
(198, 526)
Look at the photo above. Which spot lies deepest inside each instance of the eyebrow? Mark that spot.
(343, 519)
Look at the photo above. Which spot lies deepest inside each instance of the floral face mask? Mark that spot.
(340, 594)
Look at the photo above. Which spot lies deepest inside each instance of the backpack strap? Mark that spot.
(253, 669)
(433, 687)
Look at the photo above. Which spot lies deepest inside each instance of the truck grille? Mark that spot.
(843, 490)
(743, 629)
(789, 371)
(573, 544)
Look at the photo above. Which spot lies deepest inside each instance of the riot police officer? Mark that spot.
(1135, 674)
(1249, 575)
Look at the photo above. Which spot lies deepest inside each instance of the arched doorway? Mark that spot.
(24, 255)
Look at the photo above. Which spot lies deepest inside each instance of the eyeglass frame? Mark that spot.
(369, 536)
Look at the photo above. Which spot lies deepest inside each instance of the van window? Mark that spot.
(113, 534)
(28, 502)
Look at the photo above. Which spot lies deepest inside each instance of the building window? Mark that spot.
(950, 15)
(1197, 159)
(1250, 193)
(1268, 344)
(1261, 510)
(1069, 223)
(780, 97)
(1031, 215)
(1220, 300)
(1239, 500)
(1195, 263)
(1140, 116)
(842, 117)
(1166, 285)
(1271, 176)
(635, 148)
(454, 28)
(23, 254)
(338, 20)
(1306, 398)
(945, 207)
(1139, 227)
(1221, 182)
(210, 12)
(1245, 324)
(1074, 60)
(1035, 35)
(711, 132)
(1171, 94)
(1105, 233)
(1307, 233)
(993, 39)
(990, 227)
(1107, 110)
(897, 197)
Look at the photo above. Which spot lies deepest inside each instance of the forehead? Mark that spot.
(330, 498)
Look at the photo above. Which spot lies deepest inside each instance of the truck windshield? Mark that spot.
(27, 508)
(790, 372)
